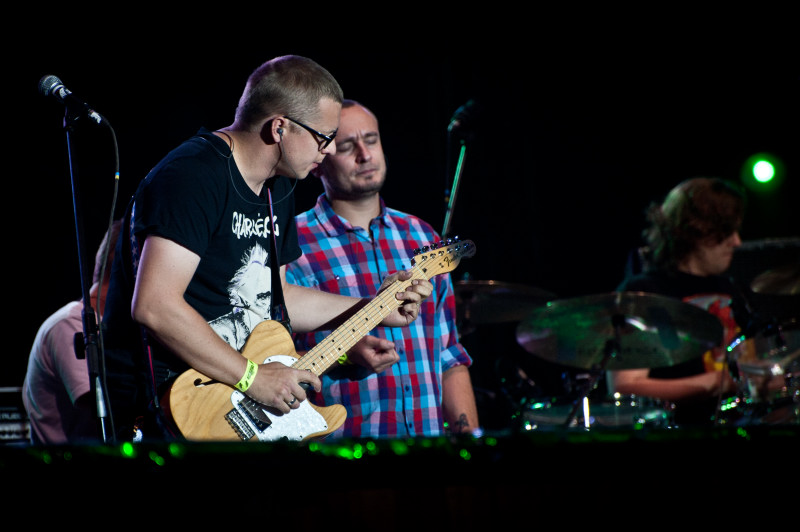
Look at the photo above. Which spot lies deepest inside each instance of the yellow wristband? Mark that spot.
(248, 377)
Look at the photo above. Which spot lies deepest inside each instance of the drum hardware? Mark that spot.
(619, 330)
(765, 364)
(610, 350)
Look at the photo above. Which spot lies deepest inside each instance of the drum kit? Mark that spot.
(635, 330)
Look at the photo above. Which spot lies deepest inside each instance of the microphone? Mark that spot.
(52, 86)
(462, 116)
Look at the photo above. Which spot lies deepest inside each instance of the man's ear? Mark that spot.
(272, 130)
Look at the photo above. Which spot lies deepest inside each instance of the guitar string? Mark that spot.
(347, 328)
(344, 330)
(373, 311)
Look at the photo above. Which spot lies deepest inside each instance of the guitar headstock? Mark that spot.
(442, 256)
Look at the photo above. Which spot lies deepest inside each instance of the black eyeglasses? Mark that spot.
(323, 140)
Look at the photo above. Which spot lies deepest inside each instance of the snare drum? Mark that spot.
(618, 411)
(768, 367)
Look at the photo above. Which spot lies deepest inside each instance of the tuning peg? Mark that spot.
(423, 249)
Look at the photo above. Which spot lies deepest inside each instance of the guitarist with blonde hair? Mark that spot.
(201, 267)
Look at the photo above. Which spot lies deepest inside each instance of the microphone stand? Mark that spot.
(90, 327)
(450, 195)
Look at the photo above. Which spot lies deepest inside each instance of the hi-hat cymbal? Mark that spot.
(784, 280)
(479, 302)
(654, 331)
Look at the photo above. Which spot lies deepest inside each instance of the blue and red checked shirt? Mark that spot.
(406, 399)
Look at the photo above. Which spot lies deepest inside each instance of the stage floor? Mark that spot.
(569, 473)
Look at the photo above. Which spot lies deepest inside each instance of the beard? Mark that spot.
(360, 188)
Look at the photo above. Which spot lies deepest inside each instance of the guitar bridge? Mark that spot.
(251, 415)
(239, 425)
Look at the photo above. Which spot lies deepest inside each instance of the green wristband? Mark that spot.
(248, 377)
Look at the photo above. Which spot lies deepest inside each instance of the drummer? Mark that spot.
(691, 238)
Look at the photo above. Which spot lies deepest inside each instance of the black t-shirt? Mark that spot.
(197, 197)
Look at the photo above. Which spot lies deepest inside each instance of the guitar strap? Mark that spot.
(278, 310)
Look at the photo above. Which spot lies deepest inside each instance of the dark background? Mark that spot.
(573, 135)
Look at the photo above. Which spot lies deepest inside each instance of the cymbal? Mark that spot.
(784, 280)
(479, 302)
(654, 331)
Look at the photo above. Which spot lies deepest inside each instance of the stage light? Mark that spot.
(762, 172)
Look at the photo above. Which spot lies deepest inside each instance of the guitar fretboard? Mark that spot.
(323, 355)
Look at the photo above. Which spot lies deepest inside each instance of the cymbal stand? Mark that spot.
(610, 350)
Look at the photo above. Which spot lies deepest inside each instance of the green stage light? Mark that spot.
(762, 172)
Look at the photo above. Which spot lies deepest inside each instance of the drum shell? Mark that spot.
(614, 412)
(767, 364)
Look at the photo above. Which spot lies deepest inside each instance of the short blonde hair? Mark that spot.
(289, 85)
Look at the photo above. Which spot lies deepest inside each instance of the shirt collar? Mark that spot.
(336, 225)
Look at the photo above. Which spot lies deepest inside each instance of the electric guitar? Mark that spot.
(205, 409)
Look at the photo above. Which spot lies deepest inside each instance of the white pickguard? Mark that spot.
(296, 425)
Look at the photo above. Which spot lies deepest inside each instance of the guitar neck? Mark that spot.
(324, 355)
(440, 258)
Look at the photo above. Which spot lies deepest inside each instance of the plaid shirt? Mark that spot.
(406, 399)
